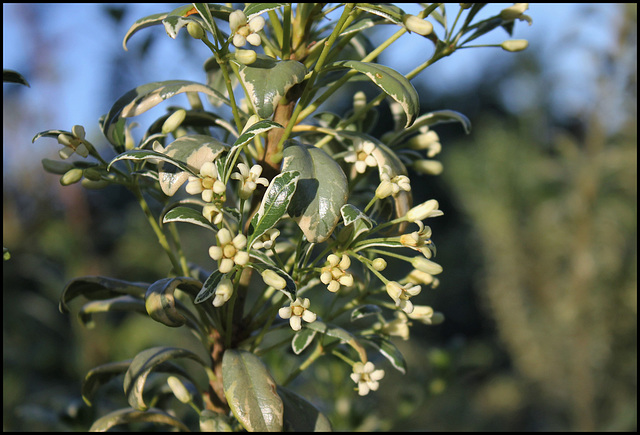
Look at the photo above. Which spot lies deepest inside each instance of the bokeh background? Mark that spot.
(538, 241)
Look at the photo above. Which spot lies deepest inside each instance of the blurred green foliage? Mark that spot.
(539, 245)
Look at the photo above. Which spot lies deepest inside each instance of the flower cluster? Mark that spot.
(391, 186)
(244, 31)
(207, 184)
(334, 274)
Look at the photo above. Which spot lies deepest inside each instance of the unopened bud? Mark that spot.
(428, 167)
(425, 265)
(94, 185)
(93, 174)
(274, 280)
(418, 25)
(72, 176)
(174, 121)
(246, 57)
(179, 390)
(379, 264)
(195, 30)
(423, 141)
(515, 45)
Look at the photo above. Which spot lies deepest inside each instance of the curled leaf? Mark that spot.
(160, 301)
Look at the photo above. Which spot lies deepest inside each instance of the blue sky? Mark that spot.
(62, 49)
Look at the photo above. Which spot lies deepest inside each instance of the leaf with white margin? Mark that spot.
(390, 81)
(388, 350)
(301, 415)
(390, 12)
(144, 97)
(128, 415)
(321, 192)
(245, 137)
(187, 215)
(267, 80)
(255, 9)
(251, 392)
(431, 119)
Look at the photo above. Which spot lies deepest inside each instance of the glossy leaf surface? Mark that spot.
(160, 301)
(251, 392)
(322, 191)
(99, 287)
(126, 416)
(300, 415)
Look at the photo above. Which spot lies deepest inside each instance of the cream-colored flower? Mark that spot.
(244, 31)
(401, 294)
(266, 240)
(425, 210)
(224, 290)
(366, 376)
(398, 327)
(212, 213)
(428, 167)
(250, 179)
(207, 183)
(297, 312)
(391, 186)
(334, 274)
(516, 12)
(422, 313)
(271, 278)
(361, 156)
(419, 240)
(229, 252)
(73, 143)
(419, 277)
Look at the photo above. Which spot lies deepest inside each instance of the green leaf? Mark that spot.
(255, 9)
(390, 81)
(322, 190)
(209, 287)
(188, 215)
(143, 363)
(120, 303)
(430, 119)
(268, 80)
(99, 376)
(365, 311)
(390, 12)
(247, 136)
(274, 204)
(173, 24)
(126, 416)
(99, 287)
(330, 330)
(302, 339)
(11, 76)
(251, 392)
(160, 301)
(301, 415)
(193, 150)
(388, 350)
(145, 97)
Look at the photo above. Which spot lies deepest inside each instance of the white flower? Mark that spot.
(297, 312)
(391, 186)
(250, 179)
(401, 294)
(207, 183)
(425, 210)
(244, 32)
(361, 156)
(366, 376)
(73, 143)
(224, 290)
(419, 240)
(229, 251)
(334, 274)
(212, 213)
(398, 327)
(266, 240)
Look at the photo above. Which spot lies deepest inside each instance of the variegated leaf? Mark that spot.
(255, 9)
(431, 119)
(144, 362)
(99, 287)
(290, 290)
(268, 80)
(390, 81)
(160, 301)
(388, 350)
(128, 415)
(247, 136)
(388, 11)
(144, 97)
(209, 287)
(302, 339)
(274, 203)
(322, 190)
(187, 215)
(120, 303)
(365, 311)
(251, 392)
(301, 415)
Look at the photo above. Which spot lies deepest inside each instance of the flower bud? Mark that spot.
(179, 390)
(94, 185)
(55, 166)
(515, 45)
(418, 25)
(93, 174)
(426, 209)
(428, 167)
(379, 264)
(195, 30)
(425, 265)
(423, 141)
(246, 57)
(513, 12)
(174, 121)
(72, 176)
(273, 279)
